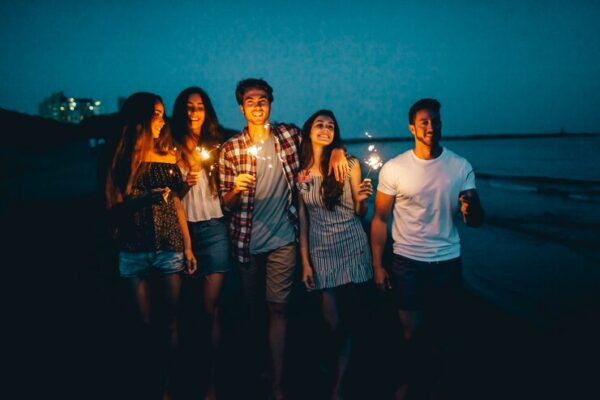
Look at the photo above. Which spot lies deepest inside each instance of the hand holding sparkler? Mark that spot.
(365, 190)
(243, 182)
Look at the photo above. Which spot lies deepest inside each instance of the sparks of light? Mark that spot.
(204, 154)
(373, 159)
(374, 162)
(253, 150)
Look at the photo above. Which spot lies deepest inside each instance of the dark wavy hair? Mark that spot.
(423, 104)
(252, 83)
(134, 142)
(210, 137)
(331, 190)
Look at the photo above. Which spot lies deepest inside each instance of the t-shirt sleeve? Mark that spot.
(387, 181)
(468, 177)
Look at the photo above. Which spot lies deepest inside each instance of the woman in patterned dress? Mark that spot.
(142, 189)
(334, 249)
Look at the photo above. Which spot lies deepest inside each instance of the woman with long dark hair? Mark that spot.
(141, 191)
(196, 132)
(333, 244)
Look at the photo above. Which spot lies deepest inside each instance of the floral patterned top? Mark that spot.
(153, 227)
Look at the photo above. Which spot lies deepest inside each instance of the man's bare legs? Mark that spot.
(412, 322)
(277, 331)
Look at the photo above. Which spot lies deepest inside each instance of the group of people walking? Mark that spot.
(185, 200)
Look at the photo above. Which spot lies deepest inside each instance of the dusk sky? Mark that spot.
(497, 67)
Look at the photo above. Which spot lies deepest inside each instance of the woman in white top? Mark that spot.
(195, 129)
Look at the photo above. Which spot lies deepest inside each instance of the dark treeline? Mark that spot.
(35, 133)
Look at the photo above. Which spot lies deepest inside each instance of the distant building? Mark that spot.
(68, 109)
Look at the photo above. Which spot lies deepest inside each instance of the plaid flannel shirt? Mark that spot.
(234, 159)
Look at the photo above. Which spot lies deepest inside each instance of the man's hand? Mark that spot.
(465, 203)
(243, 182)
(470, 208)
(338, 164)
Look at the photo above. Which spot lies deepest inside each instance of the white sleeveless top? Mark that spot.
(200, 203)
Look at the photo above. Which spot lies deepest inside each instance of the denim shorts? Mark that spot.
(137, 264)
(419, 284)
(211, 246)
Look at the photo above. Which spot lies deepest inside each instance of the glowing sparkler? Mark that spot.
(373, 160)
(254, 150)
(203, 155)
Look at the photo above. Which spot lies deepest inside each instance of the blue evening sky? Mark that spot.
(496, 66)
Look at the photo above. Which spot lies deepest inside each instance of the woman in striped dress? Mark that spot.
(333, 244)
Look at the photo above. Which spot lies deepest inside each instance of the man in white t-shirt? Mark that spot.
(427, 187)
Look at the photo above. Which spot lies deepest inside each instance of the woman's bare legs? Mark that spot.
(342, 338)
(212, 287)
(172, 294)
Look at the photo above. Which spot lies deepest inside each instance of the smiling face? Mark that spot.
(195, 112)
(427, 128)
(256, 107)
(157, 122)
(322, 131)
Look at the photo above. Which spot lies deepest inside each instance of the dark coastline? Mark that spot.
(490, 136)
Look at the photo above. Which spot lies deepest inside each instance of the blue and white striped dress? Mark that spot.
(338, 247)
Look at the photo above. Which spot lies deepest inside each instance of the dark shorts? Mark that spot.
(271, 273)
(417, 284)
(138, 264)
(211, 245)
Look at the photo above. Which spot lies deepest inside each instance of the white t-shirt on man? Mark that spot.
(426, 203)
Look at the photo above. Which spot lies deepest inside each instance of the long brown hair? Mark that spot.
(210, 137)
(331, 190)
(134, 143)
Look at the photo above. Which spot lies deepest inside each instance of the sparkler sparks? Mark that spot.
(373, 160)
(203, 153)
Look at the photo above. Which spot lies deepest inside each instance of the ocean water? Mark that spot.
(538, 253)
(547, 186)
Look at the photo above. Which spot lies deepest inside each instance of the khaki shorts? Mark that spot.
(271, 273)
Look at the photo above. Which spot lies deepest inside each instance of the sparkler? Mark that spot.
(255, 150)
(203, 155)
(373, 159)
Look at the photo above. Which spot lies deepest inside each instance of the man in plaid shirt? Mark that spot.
(257, 171)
